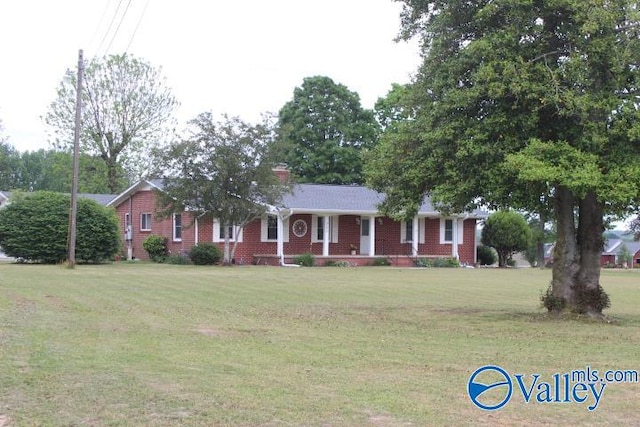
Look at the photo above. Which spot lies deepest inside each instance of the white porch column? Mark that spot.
(196, 231)
(280, 240)
(415, 235)
(454, 242)
(326, 235)
(372, 236)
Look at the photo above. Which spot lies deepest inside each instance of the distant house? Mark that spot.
(611, 254)
(330, 221)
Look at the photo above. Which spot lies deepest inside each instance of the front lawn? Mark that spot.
(162, 345)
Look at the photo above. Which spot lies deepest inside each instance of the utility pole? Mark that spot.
(71, 242)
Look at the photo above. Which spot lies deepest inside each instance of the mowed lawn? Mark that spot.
(161, 345)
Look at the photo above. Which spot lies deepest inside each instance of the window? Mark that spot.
(226, 231)
(145, 222)
(407, 229)
(272, 228)
(269, 229)
(448, 230)
(220, 232)
(177, 227)
(127, 227)
(320, 232)
(317, 228)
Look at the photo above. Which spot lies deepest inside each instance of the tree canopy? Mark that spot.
(325, 129)
(225, 169)
(127, 109)
(524, 104)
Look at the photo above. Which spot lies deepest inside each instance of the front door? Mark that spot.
(365, 239)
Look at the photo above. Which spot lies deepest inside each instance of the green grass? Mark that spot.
(162, 345)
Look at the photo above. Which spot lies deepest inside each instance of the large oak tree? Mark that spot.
(524, 104)
(127, 107)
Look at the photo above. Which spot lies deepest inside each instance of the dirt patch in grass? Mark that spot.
(228, 333)
(211, 332)
(56, 302)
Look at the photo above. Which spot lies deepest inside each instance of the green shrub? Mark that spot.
(205, 254)
(305, 260)
(34, 228)
(177, 259)
(437, 262)
(486, 255)
(422, 262)
(156, 247)
(551, 302)
(381, 262)
(446, 263)
(334, 263)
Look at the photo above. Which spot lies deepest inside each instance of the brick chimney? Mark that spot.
(283, 173)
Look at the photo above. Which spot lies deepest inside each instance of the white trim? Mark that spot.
(333, 224)
(460, 231)
(263, 229)
(173, 228)
(403, 232)
(238, 233)
(150, 218)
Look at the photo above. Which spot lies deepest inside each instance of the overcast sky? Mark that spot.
(226, 56)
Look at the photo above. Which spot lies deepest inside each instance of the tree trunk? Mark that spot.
(576, 258)
(540, 242)
(565, 254)
(112, 175)
(590, 298)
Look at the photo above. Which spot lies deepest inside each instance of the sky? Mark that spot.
(242, 58)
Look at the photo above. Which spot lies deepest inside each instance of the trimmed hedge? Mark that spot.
(34, 227)
(156, 247)
(205, 254)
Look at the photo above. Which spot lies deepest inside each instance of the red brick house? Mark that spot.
(339, 222)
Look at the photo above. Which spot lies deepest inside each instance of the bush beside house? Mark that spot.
(34, 227)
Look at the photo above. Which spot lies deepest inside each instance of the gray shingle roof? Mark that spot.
(315, 198)
(103, 199)
(344, 198)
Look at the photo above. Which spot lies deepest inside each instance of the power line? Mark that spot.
(109, 29)
(118, 27)
(137, 25)
(104, 14)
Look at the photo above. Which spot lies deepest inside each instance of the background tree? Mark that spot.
(225, 170)
(634, 228)
(34, 227)
(324, 130)
(540, 235)
(50, 170)
(127, 108)
(395, 107)
(508, 233)
(523, 103)
(9, 166)
(624, 256)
